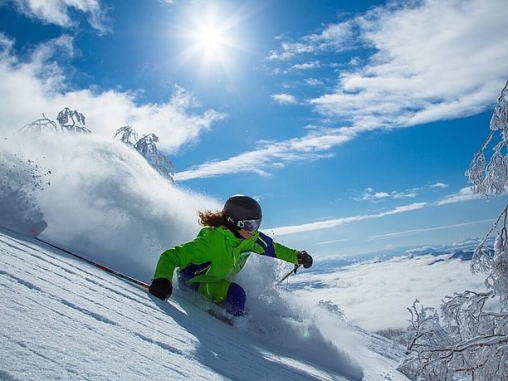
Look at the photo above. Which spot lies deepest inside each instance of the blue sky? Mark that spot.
(351, 122)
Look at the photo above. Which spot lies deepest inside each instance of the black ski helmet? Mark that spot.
(239, 207)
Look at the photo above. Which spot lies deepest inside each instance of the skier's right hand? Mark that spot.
(304, 259)
(161, 288)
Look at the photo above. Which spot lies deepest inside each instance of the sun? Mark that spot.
(210, 38)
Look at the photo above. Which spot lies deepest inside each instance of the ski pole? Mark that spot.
(99, 266)
(289, 273)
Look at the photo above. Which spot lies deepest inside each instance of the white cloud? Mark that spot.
(439, 185)
(313, 82)
(378, 195)
(284, 99)
(333, 241)
(58, 12)
(465, 194)
(370, 194)
(408, 194)
(307, 65)
(313, 146)
(345, 220)
(422, 69)
(334, 37)
(417, 231)
(376, 295)
(43, 82)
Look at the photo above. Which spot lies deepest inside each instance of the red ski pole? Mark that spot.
(99, 266)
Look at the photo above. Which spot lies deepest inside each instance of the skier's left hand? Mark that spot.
(304, 259)
(161, 288)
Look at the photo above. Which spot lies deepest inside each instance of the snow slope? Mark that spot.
(64, 319)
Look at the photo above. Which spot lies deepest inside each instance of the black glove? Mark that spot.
(304, 259)
(161, 288)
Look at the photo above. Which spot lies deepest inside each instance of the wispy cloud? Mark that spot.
(414, 49)
(307, 65)
(346, 220)
(376, 196)
(334, 241)
(416, 231)
(372, 195)
(58, 12)
(269, 155)
(313, 82)
(284, 99)
(439, 185)
(337, 37)
(463, 195)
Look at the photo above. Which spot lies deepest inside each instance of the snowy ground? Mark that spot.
(62, 318)
(65, 319)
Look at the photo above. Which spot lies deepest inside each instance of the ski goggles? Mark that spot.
(249, 225)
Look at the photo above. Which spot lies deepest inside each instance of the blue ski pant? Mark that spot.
(224, 293)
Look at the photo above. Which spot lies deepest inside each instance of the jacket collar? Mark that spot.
(231, 235)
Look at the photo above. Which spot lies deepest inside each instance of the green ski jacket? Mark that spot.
(221, 253)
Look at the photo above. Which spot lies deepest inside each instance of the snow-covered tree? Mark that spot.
(127, 135)
(147, 147)
(492, 179)
(68, 121)
(38, 126)
(466, 341)
(72, 121)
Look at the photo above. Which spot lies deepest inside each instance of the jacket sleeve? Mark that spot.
(276, 250)
(285, 253)
(195, 251)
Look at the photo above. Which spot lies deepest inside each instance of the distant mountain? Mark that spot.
(463, 251)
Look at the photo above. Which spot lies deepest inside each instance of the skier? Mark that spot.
(221, 249)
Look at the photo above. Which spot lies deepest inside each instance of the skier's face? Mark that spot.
(245, 234)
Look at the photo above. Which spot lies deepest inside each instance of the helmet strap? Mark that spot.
(231, 225)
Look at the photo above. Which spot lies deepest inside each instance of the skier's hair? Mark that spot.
(212, 219)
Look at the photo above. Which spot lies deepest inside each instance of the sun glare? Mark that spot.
(211, 38)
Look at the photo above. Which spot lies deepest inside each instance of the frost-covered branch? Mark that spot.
(38, 126)
(127, 135)
(492, 178)
(147, 147)
(72, 121)
(69, 121)
(470, 342)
